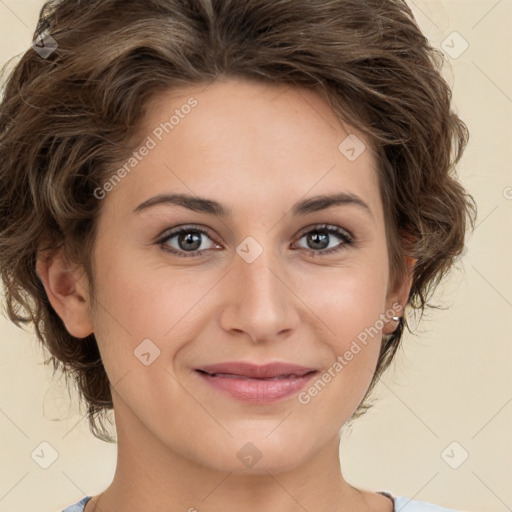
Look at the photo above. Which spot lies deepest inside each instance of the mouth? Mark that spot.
(256, 384)
(255, 371)
(236, 376)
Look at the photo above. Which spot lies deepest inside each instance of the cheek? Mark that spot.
(347, 300)
(349, 303)
(350, 307)
(136, 302)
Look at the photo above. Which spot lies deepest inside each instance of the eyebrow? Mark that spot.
(211, 207)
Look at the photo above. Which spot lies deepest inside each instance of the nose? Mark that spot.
(259, 300)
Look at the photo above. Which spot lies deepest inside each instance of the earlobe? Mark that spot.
(400, 297)
(66, 288)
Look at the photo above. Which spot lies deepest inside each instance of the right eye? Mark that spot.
(188, 241)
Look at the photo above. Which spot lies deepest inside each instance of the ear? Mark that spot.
(399, 296)
(67, 290)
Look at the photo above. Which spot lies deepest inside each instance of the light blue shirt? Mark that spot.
(402, 504)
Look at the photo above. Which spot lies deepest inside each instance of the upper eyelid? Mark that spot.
(327, 227)
(172, 232)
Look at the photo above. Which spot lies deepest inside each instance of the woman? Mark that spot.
(305, 150)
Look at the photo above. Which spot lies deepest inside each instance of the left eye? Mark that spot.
(320, 237)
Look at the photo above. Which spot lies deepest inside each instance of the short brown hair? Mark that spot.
(67, 120)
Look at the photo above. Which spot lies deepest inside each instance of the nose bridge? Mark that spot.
(256, 276)
(261, 304)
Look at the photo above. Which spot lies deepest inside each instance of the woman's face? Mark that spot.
(247, 287)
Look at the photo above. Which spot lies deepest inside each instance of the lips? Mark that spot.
(271, 371)
(253, 384)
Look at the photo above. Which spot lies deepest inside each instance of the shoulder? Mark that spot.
(404, 504)
(79, 506)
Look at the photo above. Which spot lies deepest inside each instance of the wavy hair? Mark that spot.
(67, 120)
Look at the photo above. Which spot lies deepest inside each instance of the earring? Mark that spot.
(395, 318)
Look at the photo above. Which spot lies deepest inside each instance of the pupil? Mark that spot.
(193, 238)
(315, 239)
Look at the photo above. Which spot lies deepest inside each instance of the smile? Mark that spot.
(256, 390)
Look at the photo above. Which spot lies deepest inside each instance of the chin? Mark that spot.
(247, 457)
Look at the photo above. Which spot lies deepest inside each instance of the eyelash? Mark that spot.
(345, 237)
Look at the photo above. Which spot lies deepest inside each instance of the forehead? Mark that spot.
(241, 140)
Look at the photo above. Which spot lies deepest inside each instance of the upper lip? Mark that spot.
(257, 371)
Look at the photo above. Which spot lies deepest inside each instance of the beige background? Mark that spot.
(451, 382)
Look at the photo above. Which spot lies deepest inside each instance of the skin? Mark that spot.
(256, 149)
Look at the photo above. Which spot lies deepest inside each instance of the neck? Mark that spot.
(151, 476)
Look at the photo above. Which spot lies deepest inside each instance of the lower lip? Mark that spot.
(257, 391)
